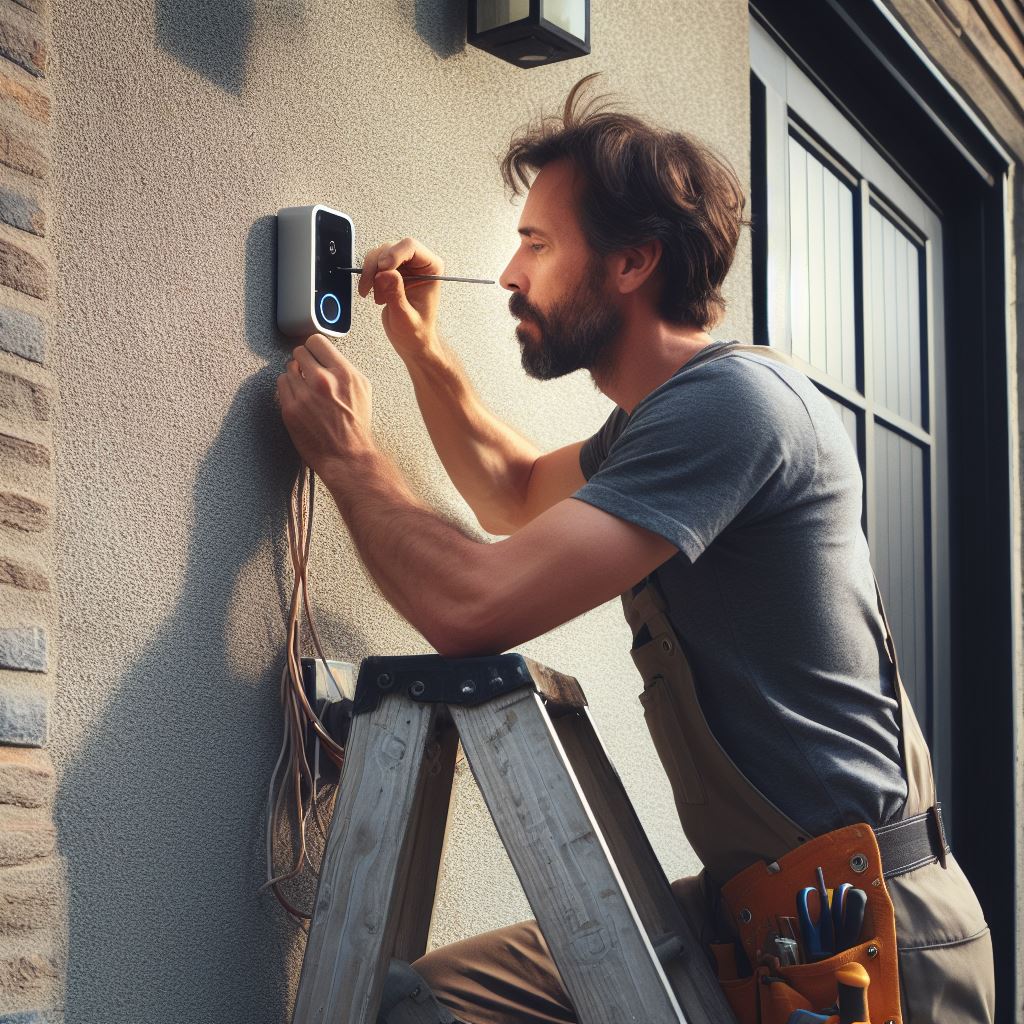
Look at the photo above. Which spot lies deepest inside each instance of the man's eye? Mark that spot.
(537, 246)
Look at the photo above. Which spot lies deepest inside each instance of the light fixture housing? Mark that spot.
(530, 33)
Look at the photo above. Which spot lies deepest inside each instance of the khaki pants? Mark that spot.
(507, 976)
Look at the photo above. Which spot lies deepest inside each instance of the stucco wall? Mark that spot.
(179, 133)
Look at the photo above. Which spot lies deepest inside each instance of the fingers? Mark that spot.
(303, 361)
(369, 272)
(411, 256)
(388, 286)
(372, 265)
(285, 389)
(324, 353)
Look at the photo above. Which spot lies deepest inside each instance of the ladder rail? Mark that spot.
(600, 946)
(430, 836)
(687, 966)
(365, 863)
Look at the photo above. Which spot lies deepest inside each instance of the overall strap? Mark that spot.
(913, 748)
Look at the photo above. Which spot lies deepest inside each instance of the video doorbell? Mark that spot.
(314, 271)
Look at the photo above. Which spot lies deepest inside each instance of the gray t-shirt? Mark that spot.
(744, 465)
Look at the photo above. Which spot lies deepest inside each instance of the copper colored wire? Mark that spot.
(299, 715)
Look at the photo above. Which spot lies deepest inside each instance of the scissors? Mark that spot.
(839, 908)
(848, 907)
(816, 925)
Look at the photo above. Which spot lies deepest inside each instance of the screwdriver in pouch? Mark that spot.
(853, 984)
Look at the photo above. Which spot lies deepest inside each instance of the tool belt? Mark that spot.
(759, 896)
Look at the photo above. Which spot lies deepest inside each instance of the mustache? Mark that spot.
(519, 306)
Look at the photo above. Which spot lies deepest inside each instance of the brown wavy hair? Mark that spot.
(641, 182)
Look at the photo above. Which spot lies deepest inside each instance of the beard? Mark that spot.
(578, 333)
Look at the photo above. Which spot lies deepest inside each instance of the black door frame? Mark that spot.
(853, 51)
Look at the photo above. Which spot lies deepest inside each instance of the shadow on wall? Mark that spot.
(441, 24)
(211, 39)
(161, 814)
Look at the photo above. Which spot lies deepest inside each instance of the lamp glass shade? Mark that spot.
(496, 13)
(569, 15)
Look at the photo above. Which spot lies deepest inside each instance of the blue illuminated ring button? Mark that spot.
(330, 304)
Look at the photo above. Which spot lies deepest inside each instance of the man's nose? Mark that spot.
(510, 279)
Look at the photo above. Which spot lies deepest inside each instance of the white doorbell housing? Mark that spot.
(314, 279)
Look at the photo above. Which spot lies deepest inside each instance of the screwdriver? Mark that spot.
(853, 982)
(425, 277)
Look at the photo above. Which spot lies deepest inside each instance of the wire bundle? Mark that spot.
(298, 783)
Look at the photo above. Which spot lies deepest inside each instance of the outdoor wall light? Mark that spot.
(529, 33)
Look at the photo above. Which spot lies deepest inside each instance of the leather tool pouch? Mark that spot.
(758, 895)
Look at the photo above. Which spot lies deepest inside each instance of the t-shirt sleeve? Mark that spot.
(701, 452)
(595, 449)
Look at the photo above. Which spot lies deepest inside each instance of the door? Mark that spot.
(851, 265)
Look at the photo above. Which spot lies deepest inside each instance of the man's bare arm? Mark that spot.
(464, 596)
(470, 598)
(505, 479)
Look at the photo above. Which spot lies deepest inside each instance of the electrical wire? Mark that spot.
(297, 784)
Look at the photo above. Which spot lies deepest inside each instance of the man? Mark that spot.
(723, 480)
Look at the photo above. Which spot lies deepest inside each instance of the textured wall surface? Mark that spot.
(181, 128)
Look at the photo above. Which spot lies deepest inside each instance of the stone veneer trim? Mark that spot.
(31, 909)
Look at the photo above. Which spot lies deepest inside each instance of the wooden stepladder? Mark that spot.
(622, 946)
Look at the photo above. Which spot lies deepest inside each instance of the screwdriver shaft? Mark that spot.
(428, 277)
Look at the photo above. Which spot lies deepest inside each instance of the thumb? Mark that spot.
(393, 293)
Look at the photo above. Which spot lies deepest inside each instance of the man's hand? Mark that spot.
(410, 307)
(325, 405)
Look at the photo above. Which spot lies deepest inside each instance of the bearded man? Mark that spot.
(721, 500)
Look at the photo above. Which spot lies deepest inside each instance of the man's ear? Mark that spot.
(630, 268)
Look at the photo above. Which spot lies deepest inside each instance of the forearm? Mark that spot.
(489, 463)
(429, 571)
